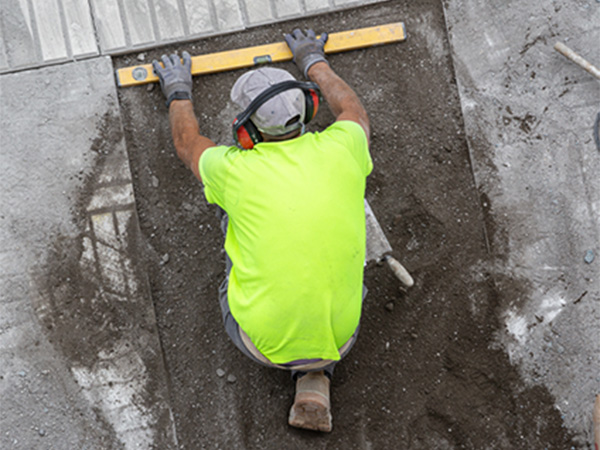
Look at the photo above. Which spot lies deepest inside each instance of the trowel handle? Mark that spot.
(399, 270)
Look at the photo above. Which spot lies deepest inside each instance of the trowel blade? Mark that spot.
(377, 243)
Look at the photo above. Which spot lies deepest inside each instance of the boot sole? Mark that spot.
(311, 411)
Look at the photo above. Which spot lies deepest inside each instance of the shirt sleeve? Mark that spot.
(353, 137)
(213, 166)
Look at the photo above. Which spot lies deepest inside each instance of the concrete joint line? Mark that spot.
(183, 17)
(95, 27)
(65, 31)
(154, 20)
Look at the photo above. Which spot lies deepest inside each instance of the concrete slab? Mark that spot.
(80, 360)
(36, 33)
(529, 114)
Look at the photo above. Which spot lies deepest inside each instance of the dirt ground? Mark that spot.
(426, 371)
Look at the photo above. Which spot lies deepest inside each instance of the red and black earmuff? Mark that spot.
(247, 135)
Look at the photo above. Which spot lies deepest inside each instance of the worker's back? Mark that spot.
(296, 238)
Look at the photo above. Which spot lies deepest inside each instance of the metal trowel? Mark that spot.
(378, 248)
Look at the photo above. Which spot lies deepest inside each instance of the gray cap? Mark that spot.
(276, 116)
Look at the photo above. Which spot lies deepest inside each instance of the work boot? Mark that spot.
(311, 409)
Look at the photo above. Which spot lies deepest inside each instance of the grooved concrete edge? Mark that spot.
(60, 31)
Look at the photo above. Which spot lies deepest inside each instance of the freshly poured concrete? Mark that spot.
(80, 360)
(529, 114)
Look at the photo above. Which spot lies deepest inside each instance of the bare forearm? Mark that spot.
(336, 91)
(186, 133)
(340, 97)
(184, 127)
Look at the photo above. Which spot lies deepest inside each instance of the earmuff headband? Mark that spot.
(245, 132)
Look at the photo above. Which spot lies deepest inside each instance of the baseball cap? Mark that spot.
(279, 115)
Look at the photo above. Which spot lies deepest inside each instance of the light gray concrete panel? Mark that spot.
(106, 196)
(198, 16)
(56, 30)
(3, 60)
(81, 29)
(112, 269)
(114, 177)
(168, 17)
(139, 22)
(123, 220)
(37, 382)
(103, 227)
(15, 282)
(109, 24)
(79, 352)
(316, 5)
(48, 20)
(528, 116)
(17, 32)
(198, 13)
(287, 8)
(259, 11)
(229, 15)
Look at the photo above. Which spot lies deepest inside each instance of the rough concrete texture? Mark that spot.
(529, 116)
(80, 360)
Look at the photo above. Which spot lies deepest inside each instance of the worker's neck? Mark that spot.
(284, 137)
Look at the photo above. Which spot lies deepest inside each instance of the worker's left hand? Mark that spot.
(306, 48)
(175, 77)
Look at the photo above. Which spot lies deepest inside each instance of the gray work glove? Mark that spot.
(175, 78)
(306, 48)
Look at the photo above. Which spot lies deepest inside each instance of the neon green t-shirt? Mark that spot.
(296, 238)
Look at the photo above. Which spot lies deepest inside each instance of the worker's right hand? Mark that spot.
(306, 48)
(175, 77)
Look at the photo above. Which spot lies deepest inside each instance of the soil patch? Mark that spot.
(425, 372)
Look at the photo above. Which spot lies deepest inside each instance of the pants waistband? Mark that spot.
(317, 365)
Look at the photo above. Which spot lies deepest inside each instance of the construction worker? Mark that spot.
(291, 205)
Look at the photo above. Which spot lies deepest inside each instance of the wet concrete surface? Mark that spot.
(81, 361)
(529, 115)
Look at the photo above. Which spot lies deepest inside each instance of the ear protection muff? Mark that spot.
(247, 135)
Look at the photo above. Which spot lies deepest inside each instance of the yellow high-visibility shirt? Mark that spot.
(296, 238)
